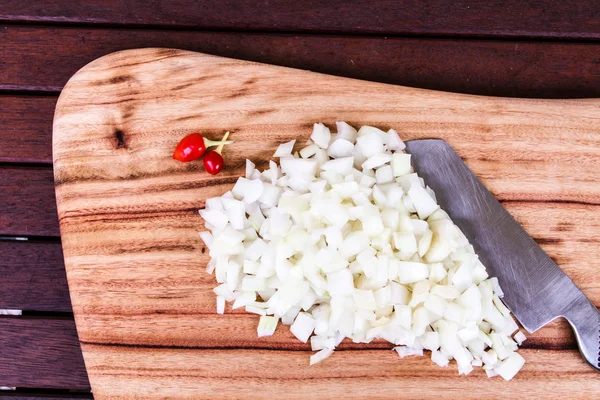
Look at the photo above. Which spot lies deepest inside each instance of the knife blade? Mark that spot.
(535, 289)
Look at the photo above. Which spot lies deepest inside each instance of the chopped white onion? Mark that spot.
(216, 218)
(496, 287)
(394, 141)
(250, 166)
(343, 239)
(207, 238)
(401, 164)
(321, 135)
(322, 342)
(520, 337)
(440, 359)
(285, 149)
(303, 326)
(404, 351)
(320, 356)
(309, 151)
(340, 148)
(376, 160)
(267, 325)
(370, 144)
(346, 132)
(220, 305)
(509, 367)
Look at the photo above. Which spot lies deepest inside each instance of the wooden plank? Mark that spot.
(45, 353)
(513, 18)
(181, 247)
(128, 211)
(126, 372)
(43, 394)
(34, 277)
(57, 361)
(35, 280)
(41, 353)
(28, 206)
(26, 133)
(144, 314)
(500, 68)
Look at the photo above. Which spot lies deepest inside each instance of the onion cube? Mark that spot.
(256, 250)
(342, 166)
(405, 351)
(303, 326)
(340, 148)
(253, 283)
(322, 342)
(364, 299)
(384, 175)
(320, 356)
(509, 367)
(520, 337)
(346, 132)
(215, 217)
(267, 325)
(370, 144)
(410, 272)
(394, 141)
(321, 135)
(309, 151)
(399, 294)
(435, 304)
(220, 305)
(422, 201)
(405, 242)
(285, 149)
(438, 358)
(340, 283)
(401, 164)
(377, 160)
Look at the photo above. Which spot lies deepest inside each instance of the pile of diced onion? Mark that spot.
(343, 240)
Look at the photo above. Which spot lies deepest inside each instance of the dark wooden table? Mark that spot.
(497, 48)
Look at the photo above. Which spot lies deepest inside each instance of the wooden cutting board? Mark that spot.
(143, 304)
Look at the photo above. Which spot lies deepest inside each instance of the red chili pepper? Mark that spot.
(213, 160)
(193, 147)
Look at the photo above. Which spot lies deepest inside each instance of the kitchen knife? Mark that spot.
(535, 289)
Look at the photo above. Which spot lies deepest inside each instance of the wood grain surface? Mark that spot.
(43, 394)
(218, 373)
(27, 129)
(510, 18)
(28, 206)
(129, 222)
(36, 277)
(43, 353)
(491, 67)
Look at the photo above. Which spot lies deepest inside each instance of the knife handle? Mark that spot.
(584, 318)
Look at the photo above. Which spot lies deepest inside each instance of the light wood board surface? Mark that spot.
(143, 304)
